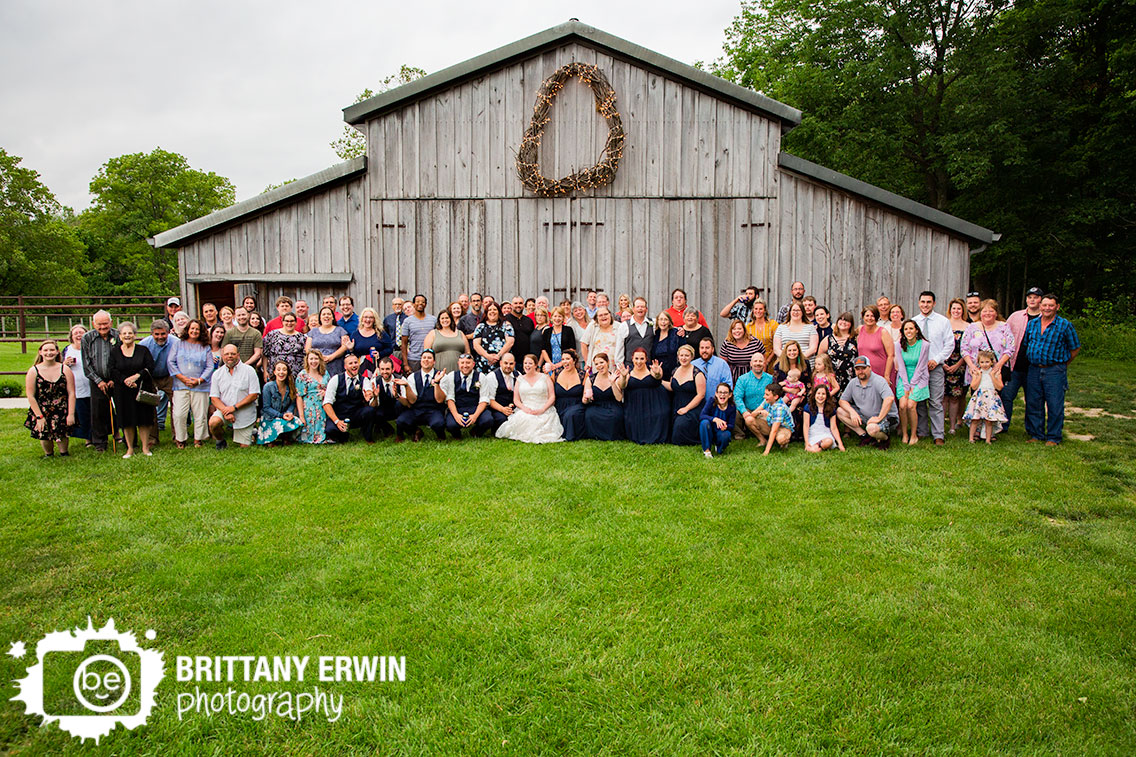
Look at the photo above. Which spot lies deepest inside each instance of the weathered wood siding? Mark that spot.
(324, 232)
(558, 247)
(848, 251)
(699, 202)
(681, 142)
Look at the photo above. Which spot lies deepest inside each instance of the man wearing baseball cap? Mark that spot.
(1019, 362)
(867, 406)
(173, 305)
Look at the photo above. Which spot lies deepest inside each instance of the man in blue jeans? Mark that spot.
(1051, 344)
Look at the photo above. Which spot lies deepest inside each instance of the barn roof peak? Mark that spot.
(553, 37)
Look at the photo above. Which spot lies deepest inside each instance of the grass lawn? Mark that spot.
(608, 598)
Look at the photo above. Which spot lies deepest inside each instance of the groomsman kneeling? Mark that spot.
(466, 397)
(346, 404)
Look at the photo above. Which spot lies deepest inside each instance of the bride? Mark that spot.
(535, 419)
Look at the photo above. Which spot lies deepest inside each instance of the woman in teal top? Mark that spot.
(911, 378)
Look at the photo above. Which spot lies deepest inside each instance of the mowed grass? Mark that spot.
(608, 598)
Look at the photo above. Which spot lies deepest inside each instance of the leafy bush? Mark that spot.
(1107, 328)
(11, 387)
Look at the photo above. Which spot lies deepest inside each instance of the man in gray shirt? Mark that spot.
(867, 406)
(414, 331)
(96, 347)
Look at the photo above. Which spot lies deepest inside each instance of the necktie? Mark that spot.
(465, 383)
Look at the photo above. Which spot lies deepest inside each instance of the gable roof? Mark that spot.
(262, 202)
(965, 229)
(556, 37)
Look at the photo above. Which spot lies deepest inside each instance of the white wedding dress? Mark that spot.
(534, 429)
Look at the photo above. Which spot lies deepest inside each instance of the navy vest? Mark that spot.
(466, 400)
(347, 402)
(425, 394)
(504, 394)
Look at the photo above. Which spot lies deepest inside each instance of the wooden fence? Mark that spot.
(28, 319)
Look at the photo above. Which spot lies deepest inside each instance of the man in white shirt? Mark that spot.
(233, 392)
(346, 405)
(466, 397)
(383, 393)
(941, 342)
(639, 331)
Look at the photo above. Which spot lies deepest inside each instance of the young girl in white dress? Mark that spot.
(535, 420)
(821, 431)
(986, 403)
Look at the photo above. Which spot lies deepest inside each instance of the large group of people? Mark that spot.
(528, 370)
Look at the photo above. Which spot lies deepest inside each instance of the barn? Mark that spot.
(701, 197)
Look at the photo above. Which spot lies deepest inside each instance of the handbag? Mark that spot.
(145, 397)
(1005, 365)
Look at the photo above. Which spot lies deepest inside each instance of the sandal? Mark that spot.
(179, 445)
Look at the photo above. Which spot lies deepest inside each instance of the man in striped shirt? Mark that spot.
(1051, 344)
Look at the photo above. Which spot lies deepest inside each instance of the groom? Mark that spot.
(501, 381)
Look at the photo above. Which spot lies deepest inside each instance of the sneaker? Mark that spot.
(221, 444)
(707, 454)
(866, 440)
(885, 444)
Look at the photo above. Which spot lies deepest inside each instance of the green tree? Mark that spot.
(875, 79)
(1018, 117)
(135, 197)
(352, 143)
(40, 253)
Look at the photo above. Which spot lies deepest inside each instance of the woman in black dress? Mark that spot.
(569, 390)
(50, 389)
(666, 346)
(688, 388)
(131, 366)
(603, 402)
(840, 346)
(692, 332)
(647, 409)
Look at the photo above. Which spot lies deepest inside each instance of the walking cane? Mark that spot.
(113, 439)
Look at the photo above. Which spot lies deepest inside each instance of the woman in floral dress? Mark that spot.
(310, 386)
(50, 389)
(840, 346)
(492, 338)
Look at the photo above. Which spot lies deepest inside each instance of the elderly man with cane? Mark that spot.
(96, 347)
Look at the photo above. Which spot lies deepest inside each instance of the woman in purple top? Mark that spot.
(989, 332)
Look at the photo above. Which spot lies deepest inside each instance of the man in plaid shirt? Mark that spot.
(1051, 344)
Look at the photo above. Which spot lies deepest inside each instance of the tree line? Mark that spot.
(1019, 116)
(47, 249)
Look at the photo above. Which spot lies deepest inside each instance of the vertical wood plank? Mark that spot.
(409, 152)
(446, 147)
(393, 138)
(321, 233)
(427, 148)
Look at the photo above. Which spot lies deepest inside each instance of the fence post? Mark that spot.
(23, 325)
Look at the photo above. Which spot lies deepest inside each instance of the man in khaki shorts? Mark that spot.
(234, 392)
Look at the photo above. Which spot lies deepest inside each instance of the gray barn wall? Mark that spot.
(318, 234)
(849, 252)
(699, 202)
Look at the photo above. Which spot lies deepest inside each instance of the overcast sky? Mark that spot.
(254, 90)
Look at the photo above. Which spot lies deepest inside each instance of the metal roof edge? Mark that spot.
(261, 202)
(965, 229)
(359, 112)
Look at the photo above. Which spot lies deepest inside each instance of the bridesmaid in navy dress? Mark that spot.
(688, 388)
(570, 397)
(647, 408)
(603, 402)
